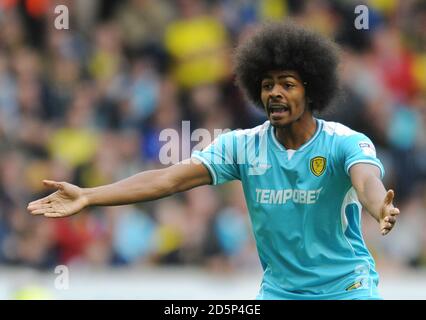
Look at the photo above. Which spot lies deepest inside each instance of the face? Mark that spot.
(283, 97)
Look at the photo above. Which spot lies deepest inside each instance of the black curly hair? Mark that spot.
(286, 46)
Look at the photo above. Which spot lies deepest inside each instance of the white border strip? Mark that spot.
(382, 173)
(209, 167)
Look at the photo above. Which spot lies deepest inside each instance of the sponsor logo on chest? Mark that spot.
(282, 196)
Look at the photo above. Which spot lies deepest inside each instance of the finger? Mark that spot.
(39, 201)
(385, 226)
(46, 202)
(394, 212)
(43, 211)
(37, 205)
(54, 214)
(389, 197)
(390, 219)
(53, 184)
(36, 212)
(385, 229)
(388, 225)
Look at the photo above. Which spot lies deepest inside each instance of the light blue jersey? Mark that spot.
(305, 214)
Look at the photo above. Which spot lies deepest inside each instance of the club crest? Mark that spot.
(318, 165)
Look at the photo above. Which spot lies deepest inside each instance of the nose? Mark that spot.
(275, 93)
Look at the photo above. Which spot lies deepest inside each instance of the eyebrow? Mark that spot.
(282, 76)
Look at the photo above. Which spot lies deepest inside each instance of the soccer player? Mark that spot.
(305, 180)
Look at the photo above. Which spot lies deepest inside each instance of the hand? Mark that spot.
(66, 201)
(388, 214)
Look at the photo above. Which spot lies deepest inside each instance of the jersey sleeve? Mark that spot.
(220, 159)
(358, 148)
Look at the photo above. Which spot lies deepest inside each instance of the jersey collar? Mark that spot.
(303, 146)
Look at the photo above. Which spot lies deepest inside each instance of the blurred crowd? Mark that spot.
(87, 105)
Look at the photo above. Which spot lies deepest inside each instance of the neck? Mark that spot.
(297, 133)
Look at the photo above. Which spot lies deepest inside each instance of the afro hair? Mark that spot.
(285, 46)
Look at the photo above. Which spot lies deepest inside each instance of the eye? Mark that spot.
(289, 85)
(267, 86)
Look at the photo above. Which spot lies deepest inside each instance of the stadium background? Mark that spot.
(86, 105)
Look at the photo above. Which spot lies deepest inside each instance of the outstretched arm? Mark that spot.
(149, 185)
(373, 195)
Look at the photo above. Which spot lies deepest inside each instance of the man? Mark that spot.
(305, 180)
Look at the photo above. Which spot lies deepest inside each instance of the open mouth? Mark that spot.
(278, 109)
